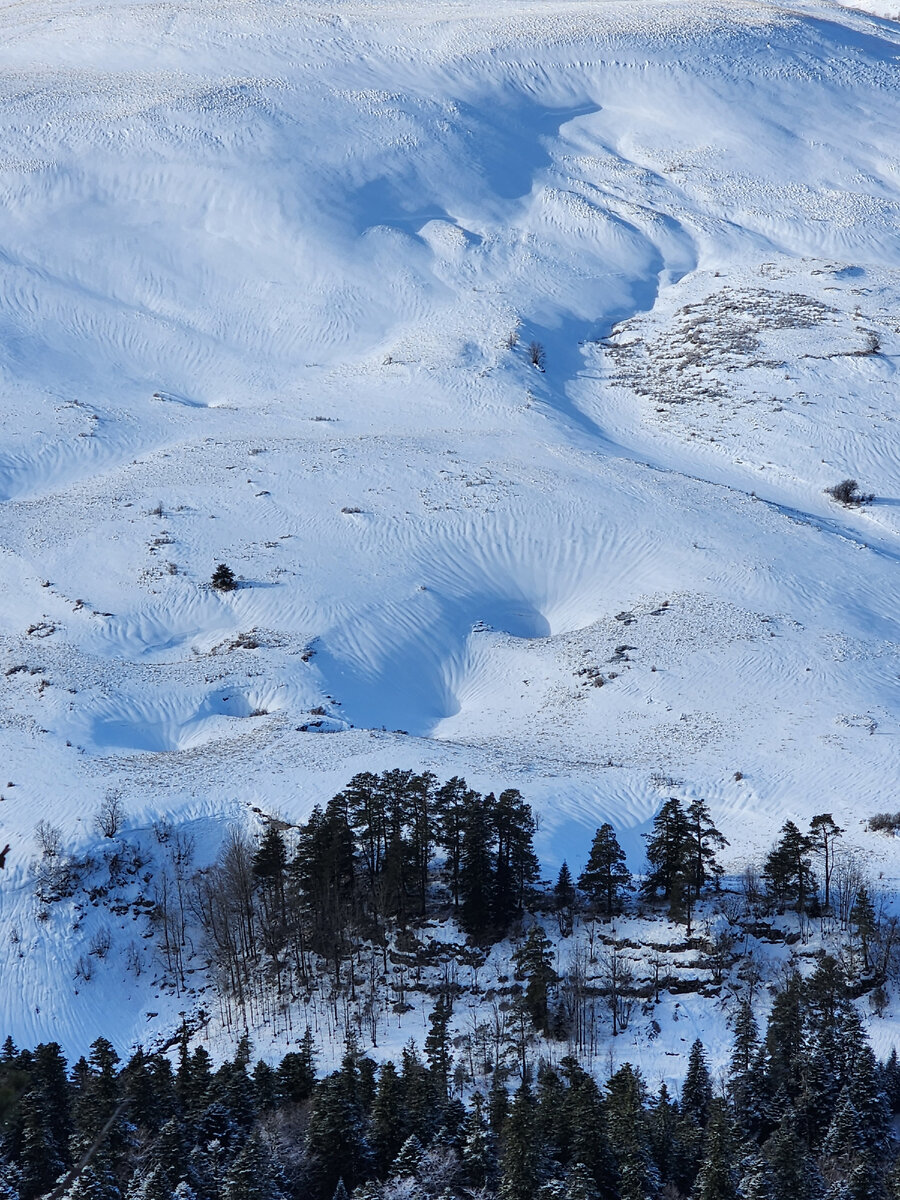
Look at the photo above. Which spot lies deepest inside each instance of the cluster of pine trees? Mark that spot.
(357, 867)
(804, 1112)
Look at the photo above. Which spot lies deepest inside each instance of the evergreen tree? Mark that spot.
(476, 877)
(520, 1176)
(745, 1083)
(705, 840)
(498, 1103)
(534, 964)
(788, 870)
(823, 833)
(409, 1159)
(606, 877)
(629, 1137)
(669, 851)
(388, 1122)
(296, 1074)
(696, 1094)
(517, 868)
(253, 1175)
(564, 900)
(438, 1051)
(717, 1178)
(223, 579)
(451, 803)
(335, 1137)
(479, 1148)
(863, 918)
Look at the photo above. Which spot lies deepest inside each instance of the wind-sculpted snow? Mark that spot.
(273, 276)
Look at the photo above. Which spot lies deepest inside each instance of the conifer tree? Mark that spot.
(717, 1178)
(823, 833)
(296, 1073)
(629, 1137)
(438, 1051)
(863, 918)
(606, 877)
(705, 840)
(564, 900)
(479, 1146)
(788, 870)
(388, 1121)
(534, 963)
(520, 1176)
(696, 1093)
(669, 849)
(451, 803)
(475, 873)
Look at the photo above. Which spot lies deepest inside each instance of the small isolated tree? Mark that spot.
(223, 579)
(537, 355)
(847, 492)
(110, 816)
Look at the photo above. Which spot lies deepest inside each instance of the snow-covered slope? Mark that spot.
(268, 277)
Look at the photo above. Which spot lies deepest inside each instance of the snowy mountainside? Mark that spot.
(270, 272)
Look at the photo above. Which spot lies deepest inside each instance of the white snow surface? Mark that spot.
(259, 267)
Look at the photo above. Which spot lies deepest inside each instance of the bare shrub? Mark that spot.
(110, 816)
(100, 943)
(49, 839)
(537, 355)
(847, 493)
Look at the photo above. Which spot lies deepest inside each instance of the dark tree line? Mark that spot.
(804, 1113)
(358, 868)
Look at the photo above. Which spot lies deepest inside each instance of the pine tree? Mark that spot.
(823, 833)
(606, 877)
(479, 1148)
(696, 1093)
(521, 1154)
(438, 1051)
(451, 803)
(476, 876)
(705, 840)
(717, 1178)
(517, 868)
(788, 870)
(564, 900)
(223, 579)
(534, 964)
(669, 850)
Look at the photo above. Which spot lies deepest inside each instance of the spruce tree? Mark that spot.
(606, 877)
(564, 899)
(717, 1178)
(629, 1136)
(438, 1051)
(479, 1146)
(520, 1164)
(669, 850)
(788, 869)
(223, 579)
(705, 840)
